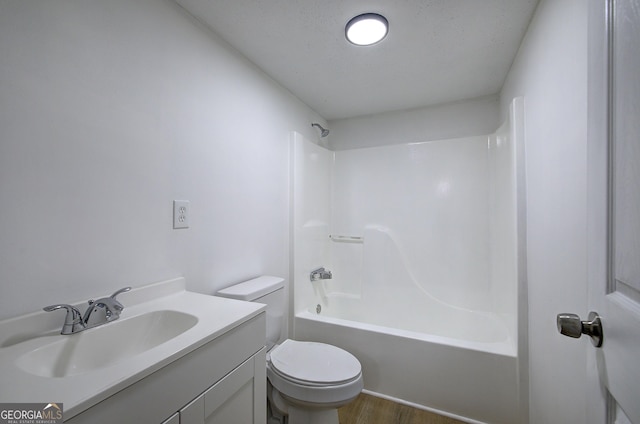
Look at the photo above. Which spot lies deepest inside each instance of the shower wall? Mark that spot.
(437, 215)
(432, 201)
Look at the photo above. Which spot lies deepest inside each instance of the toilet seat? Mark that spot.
(314, 364)
(314, 372)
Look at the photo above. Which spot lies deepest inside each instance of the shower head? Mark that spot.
(323, 132)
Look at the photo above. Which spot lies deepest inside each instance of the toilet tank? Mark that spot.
(268, 290)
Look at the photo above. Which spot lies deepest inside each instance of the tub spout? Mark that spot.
(320, 274)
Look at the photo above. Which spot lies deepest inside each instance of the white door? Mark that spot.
(614, 210)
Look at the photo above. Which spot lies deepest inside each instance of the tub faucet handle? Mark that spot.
(320, 274)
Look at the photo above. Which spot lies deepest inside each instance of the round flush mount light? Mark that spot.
(367, 29)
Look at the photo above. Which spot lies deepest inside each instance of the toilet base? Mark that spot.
(287, 412)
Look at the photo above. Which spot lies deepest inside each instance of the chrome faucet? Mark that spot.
(72, 322)
(320, 274)
(99, 312)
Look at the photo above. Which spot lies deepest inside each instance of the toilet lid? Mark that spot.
(315, 362)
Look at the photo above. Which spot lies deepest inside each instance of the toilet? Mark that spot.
(306, 381)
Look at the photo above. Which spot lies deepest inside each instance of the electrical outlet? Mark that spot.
(180, 214)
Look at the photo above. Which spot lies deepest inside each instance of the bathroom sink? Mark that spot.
(160, 325)
(105, 345)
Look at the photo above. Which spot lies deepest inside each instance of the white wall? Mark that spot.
(110, 110)
(551, 73)
(452, 120)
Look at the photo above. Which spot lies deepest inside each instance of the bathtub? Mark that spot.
(425, 242)
(458, 363)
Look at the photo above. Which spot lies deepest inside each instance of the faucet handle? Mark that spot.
(122, 290)
(72, 321)
(116, 304)
(71, 310)
(103, 310)
(320, 274)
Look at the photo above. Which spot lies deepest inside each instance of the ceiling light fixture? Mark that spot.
(367, 29)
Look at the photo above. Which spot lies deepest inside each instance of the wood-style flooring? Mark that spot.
(367, 409)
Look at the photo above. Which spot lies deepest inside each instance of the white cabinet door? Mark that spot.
(239, 398)
(614, 209)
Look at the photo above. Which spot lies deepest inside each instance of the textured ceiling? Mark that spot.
(437, 51)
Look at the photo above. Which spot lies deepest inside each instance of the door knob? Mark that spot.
(570, 325)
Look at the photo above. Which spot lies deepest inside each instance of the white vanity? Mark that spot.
(172, 357)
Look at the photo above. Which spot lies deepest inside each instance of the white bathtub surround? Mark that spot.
(422, 240)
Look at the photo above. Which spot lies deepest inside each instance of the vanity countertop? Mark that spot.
(79, 391)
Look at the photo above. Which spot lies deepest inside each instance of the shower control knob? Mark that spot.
(570, 325)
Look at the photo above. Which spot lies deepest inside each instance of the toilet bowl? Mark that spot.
(307, 381)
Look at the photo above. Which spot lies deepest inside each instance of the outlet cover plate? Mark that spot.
(180, 214)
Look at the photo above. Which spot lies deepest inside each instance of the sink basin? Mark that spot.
(105, 345)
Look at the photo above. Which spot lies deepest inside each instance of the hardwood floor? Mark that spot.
(367, 409)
